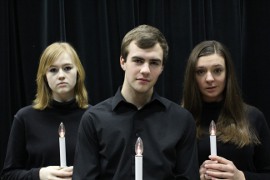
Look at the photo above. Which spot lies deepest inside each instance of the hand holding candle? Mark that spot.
(213, 140)
(139, 159)
(62, 145)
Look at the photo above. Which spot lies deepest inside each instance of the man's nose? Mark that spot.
(145, 68)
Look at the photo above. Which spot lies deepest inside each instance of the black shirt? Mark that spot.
(34, 139)
(109, 130)
(253, 160)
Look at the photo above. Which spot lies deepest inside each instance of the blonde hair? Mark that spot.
(44, 93)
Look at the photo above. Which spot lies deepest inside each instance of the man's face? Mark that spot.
(142, 68)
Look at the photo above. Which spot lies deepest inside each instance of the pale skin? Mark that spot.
(142, 69)
(211, 77)
(211, 80)
(56, 173)
(62, 78)
(220, 168)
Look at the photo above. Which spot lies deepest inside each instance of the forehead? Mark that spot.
(154, 52)
(211, 60)
(64, 58)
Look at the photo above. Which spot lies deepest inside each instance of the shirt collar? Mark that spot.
(119, 100)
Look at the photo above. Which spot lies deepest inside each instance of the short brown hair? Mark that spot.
(145, 36)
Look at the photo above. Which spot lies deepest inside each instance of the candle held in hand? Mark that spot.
(213, 140)
(62, 145)
(139, 159)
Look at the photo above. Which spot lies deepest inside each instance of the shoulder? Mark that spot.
(256, 116)
(254, 113)
(88, 107)
(176, 109)
(22, 116)
(103, 105)
(25, 111)
(173, 106)
(100, 107)
(180, 118)
(95, 113)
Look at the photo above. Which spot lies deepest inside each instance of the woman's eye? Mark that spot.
(200, 72)
(218, 71)
(53, 70)
(67, 68)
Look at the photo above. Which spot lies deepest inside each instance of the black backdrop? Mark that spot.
(95, 28)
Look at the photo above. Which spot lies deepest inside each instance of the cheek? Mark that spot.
(131, 72)
(222, 80)
(158, 72)
(50, 80)
(199, 81)
(73, 78)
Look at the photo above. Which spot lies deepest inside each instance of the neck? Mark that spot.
(138, 99)
(65, 97)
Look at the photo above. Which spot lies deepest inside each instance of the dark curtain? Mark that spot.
(96, 27)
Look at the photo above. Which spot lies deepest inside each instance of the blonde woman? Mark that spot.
(33, 147)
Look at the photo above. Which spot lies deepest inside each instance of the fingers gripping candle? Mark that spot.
(62, 145)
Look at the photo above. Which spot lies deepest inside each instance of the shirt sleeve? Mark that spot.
(187, 156)
(16, 157)
(86, 163)
(261, 152)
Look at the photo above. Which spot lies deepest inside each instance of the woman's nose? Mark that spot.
(209, 76)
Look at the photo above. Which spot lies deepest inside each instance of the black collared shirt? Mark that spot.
(109, 130)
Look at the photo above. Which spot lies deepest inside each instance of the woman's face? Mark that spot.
(62, 78)
(211, 77)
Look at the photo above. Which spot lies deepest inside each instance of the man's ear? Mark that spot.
(122, 63)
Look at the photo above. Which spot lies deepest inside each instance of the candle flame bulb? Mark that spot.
(62, 145)
(61, 130)
(212, 128)
(139, 146)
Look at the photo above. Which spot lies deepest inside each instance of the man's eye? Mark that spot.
(155, 63)
(138, 60)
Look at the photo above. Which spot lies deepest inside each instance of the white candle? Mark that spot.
(213, 140)
(62, 145)
(139, 159)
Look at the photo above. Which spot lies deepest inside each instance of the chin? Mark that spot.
(142, 90)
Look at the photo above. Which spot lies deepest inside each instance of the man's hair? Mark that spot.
(145, 36)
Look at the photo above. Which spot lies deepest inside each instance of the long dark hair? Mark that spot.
(232, 123)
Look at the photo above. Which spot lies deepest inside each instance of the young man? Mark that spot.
(109, 130)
